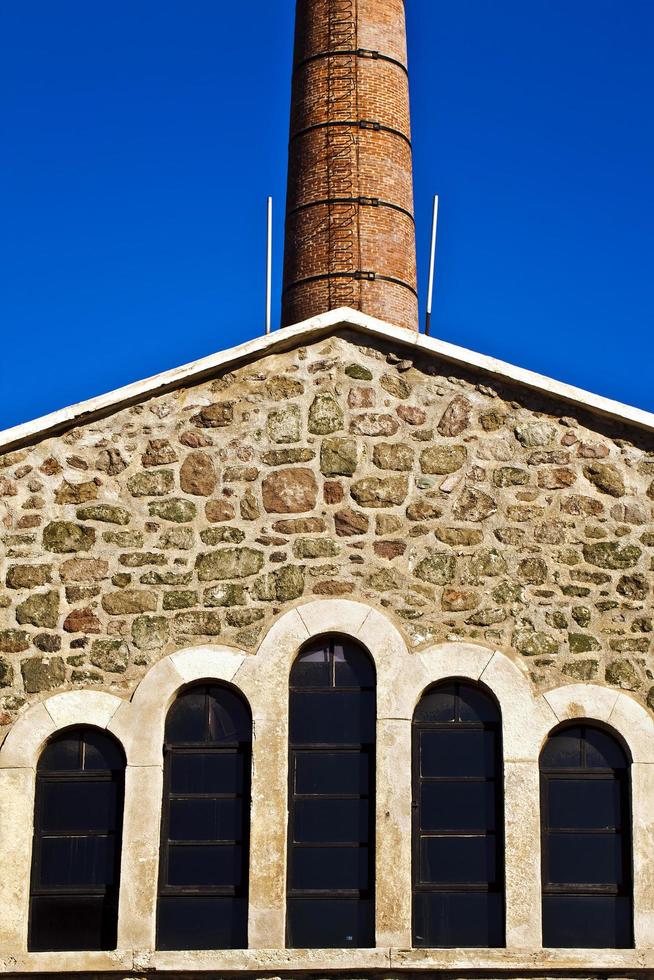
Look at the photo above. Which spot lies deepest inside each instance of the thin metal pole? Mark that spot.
(269, 266)
(432, 263)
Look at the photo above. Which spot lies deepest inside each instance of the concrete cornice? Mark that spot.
(302, 333)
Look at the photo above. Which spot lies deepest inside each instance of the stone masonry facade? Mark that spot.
(462, 509)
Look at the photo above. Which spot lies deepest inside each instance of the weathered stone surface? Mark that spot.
(158, 453)
(289, 491)
(358, 372)
(411, 414)
(282, 585)
(82, 621)
(577, 506)
(370, 424)
(380, 491)
(456, 417)
(442, 460)
(348, 523)
(76, 493)
(39, 610)
(279, 389)
(124, 539)
(606, 477)
(110, 461)
(28, 576)
(176, 509)
(300, 525)
(105, 513)
(389, 549)
(285, 424)
(622, 673)
(533, 643)
(41, 674)
(84, 570)
(110, 655)
(559, 478)
(13, 641)
(214, 416)
(177, 539)
(424, 510)
(315, 548)
(474, 505)
(180, 600)
(339, 456)
(249, 506)
(203, 623)
(136, 559)
(393, 456)
(610, 554)
(325, 415)
(485, 563)
(157, 483)
(286, 457)
(129, 601)
(47, 642)
(490, 616)
(64, 537)
(226, 563)
(222, 535)
(150, 632)
(533, 571)
(636, 587)
(438, 568)
(197, 475)
(532, 434)
(582, 670)
(397, 387)
(361, 397)
(6, 673)
(466, 536)
(510, 476)
(582, 643)
(459, 600)
(227, 594)
(217, 511)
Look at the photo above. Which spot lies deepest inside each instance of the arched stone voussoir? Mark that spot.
(41, 721)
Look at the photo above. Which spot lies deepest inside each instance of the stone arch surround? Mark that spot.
(402, 677)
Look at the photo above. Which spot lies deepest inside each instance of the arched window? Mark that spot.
(458, 859)
(331, 861)
(586, 839)
(78, 816)
(205, 824)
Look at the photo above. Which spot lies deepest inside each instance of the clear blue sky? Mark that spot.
(140, 139)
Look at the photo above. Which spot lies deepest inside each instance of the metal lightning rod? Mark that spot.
(269, 266)
(432, 262)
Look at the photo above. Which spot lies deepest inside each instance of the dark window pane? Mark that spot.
(330, 923)
(332, 717)
(187, 718)
(101, 752)
(331, 772)
(206, 772)
(62, 754)
(78, 805)
(312, 669)
(329, 868)
(583, 803)
(603, 751)
(191, 922)
(457, 806)
(206, 819)
(475, 705)
(437, 705)
(352, 667)
(449, 860)
(562, 750)
(589, 859)
(325, 821)
(229, 719)
(587, 921)
(457, 753)
(72, 923)
(205, 865)
(76, 862)
(463, 919)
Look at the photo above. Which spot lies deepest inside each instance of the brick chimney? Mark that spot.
(350, 236)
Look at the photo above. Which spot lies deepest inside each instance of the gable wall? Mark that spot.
(332, 470)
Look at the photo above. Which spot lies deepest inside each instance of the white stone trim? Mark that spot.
(402, 677)
(311, 330)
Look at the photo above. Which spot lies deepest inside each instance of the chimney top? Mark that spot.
(350, 234)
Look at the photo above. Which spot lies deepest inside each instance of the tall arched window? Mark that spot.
(458, 859)
(78, 816)
(586, 839)
(205, 824)
(331, 863)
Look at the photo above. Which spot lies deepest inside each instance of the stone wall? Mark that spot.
(333, 470)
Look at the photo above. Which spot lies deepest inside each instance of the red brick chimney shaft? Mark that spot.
(350, 236)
